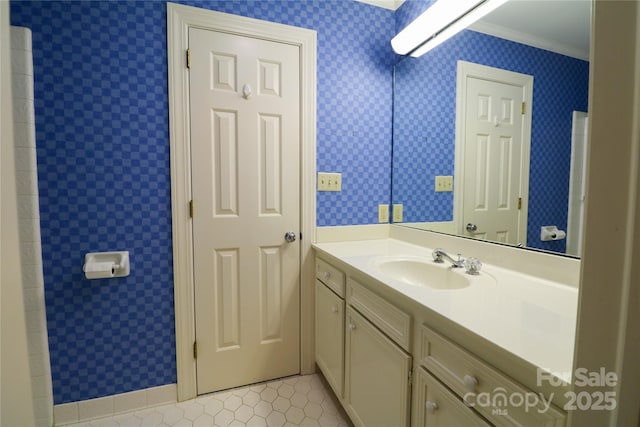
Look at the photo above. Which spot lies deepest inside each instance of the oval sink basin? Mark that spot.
(418, 272)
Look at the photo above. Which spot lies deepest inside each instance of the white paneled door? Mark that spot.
(245, 133)
(493, 161)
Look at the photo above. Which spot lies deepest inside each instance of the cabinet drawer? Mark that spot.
(437, 406)
(494, 395)
(330, 276)
(387, 317)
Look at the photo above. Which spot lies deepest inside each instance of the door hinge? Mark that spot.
(524, 107)
(519, 203)
(191, 209)
(188, 58)
(195, 349)
(410, 380)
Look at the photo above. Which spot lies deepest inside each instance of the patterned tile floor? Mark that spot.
(292, 401)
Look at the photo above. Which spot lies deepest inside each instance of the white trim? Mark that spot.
(577, 182)
(179, 19)
(469, 69)
(608, 334)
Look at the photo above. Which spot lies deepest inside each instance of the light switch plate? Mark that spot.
(397, 212)
(329, 181)
(383, 213)
(444, 183)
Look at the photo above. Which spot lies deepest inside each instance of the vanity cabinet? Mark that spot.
(330, 316)
(377, 359)
(362, 348)
(371, 345)
(377, 385)
(477, 384)
(330, 336)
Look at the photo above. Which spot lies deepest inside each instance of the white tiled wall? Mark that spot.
(29, 223)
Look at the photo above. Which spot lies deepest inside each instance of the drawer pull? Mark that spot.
(470, 382)
(326, 275)
(431, 407)
(334, 309)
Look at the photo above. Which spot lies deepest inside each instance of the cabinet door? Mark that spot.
(330, 336)
(377, 376)
(435, 406)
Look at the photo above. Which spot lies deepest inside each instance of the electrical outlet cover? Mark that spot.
(383, 213)
(397, 212)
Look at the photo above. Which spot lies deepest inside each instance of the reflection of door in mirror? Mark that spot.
(424, 128)
(577, 180)
(492, 153)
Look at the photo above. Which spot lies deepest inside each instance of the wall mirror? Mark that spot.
(548, 41)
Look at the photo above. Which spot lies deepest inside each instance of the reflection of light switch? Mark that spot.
(444, 183)
(397, 212)
(383, 213)
(329, 181)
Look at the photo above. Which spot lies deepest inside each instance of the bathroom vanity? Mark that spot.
(405, 341)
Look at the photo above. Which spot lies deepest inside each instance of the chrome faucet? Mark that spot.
(471, 265)
(439, 255)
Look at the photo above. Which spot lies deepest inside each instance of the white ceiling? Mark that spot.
(561, 26)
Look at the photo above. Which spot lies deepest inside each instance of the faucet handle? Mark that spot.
(437, 255)
(472, 265)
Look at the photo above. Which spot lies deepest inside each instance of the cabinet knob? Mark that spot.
(431, 407)
(470, 382)
(334, 309)
(326, 275)
(352, 327)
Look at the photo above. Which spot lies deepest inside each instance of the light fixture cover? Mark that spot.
(439, 22)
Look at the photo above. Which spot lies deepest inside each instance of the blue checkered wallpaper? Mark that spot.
(103, 166)
(354, 97)
(424, 126)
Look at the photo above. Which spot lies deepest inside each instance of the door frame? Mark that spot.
(469, 69)
(179, 19)
(577, 181)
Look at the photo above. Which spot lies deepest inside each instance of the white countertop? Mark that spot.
(530, 317)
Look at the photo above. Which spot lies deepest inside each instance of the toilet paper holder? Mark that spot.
(551, 232)
(102, 265)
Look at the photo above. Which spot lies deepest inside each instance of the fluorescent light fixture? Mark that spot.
(441, 21)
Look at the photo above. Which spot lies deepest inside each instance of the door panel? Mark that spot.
(377, 389)
(245, 125)
(493, 160)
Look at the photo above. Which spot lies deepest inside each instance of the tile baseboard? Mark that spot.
(108, 406)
